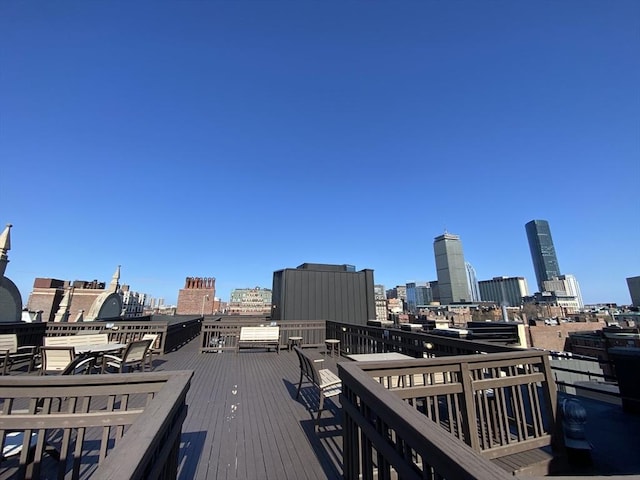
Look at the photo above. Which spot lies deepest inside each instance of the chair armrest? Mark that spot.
(27, 349)
(106, 357)
(331, 383)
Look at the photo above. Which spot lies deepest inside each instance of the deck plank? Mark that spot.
(244, 422)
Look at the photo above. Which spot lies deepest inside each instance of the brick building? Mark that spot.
(556, 337)
(65, 301)
(198, 297)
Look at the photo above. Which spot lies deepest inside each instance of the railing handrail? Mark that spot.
(146, 436)
(395, 339)
(151, 440)
(218, 336)
(426, 439)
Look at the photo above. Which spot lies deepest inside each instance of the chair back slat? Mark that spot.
(153, 337)
(56, 359)
(9, 341)
(136, 350)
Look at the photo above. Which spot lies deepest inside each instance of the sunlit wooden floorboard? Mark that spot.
(244, 421)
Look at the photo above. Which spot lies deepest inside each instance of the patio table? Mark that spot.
(371, 357)
(99, 348)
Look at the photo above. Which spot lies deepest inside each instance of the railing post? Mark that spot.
(470, 424)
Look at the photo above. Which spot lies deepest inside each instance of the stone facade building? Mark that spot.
(80, 300)
(250, 301)
(10, 298)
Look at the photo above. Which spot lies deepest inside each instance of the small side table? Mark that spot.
(294, 342)
(333, 345)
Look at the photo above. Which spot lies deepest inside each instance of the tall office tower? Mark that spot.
(543, 254)
(472, 282)
(634, 290)
(452, 274)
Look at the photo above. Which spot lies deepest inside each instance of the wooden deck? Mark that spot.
(245, 423)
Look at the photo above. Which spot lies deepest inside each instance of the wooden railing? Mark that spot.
(356, 339)
(384, 437)
(218, 336)
(28, 333)
(179, 332)
(498, 405)
(98, 426)
(171, 335)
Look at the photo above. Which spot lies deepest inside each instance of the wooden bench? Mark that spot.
(77, 340)
(324, 380)
(259, 337)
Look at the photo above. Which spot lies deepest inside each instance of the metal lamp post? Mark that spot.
(206, 297)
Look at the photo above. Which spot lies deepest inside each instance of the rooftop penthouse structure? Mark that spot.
(315, 291)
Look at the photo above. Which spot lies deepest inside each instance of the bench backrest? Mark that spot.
(259, 334)
(77, 340)
(9, 341)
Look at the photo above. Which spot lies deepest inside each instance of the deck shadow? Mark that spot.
(327, 440)
(191, 447)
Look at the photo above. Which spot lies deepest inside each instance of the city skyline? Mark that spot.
(236, 139)
(440, 239)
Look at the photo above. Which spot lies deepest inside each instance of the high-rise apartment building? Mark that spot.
(507, 291)
(451, 270)
(543, 253)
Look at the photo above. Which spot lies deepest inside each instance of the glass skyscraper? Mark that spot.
(472, 282)
(452, 273)
(543, 253)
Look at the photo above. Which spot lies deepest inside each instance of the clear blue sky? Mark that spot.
(233, 139)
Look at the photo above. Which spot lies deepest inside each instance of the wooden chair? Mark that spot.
(152, 348)
(324, 380)
(11, 354)
(134, 356)
(55, 359)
